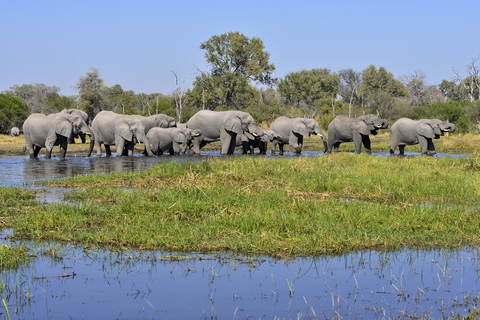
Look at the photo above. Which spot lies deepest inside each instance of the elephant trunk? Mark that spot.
(143, 139)
(89, 132)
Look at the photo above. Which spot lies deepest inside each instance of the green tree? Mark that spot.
(93, 93)
(378, 86)
(235, 62)
(13, 112)
(452, 91)
(307, 88)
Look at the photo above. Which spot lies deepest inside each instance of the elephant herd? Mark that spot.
(160, 133)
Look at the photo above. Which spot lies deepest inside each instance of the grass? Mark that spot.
(12, 257)
(283, 208)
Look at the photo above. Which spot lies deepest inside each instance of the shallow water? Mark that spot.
(374, 285)
(97, 284)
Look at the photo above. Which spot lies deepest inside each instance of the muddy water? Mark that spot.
(95, 284)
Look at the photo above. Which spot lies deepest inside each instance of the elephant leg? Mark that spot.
(430, 146)
(336, 146)
(298, 148)
(36, 151)
(357, 142)
(63, 150)
(423, 144)
(280, 148)
(108, 151)
(366, 144)
(98, 145)
(128, 150)
(273, 147)
(401, 148)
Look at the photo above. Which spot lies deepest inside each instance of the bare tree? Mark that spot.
(180, 97)
(351, 81)
(472, 82)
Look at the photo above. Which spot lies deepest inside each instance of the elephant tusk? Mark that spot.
(254, 134)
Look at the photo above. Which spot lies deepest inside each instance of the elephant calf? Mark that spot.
(169, 139)
(292, 132)
(345, 129)
(15, 132)
(406, 131)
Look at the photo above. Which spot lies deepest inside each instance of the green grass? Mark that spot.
(284, 207)
(13, 257)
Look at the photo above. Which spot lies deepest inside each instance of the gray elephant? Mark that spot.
(123, 131)
(43, 131)
(156, 121)
(345, 129)
(406, 131)
(15, 132)
(223, 126)
(292, 131)
(249, 143)
(169, 139)
(85, 118)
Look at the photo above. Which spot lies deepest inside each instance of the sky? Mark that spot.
(137, 44)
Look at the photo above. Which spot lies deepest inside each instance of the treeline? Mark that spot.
(240, 78)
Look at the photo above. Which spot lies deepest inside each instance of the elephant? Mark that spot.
(223, 126)
(42, 131)
(157, 120)
(406, 131)
(292, 131)
(15, 132)
(345, 129)
(121, 130)
(249, 143)
(169, 139)
(85, 118)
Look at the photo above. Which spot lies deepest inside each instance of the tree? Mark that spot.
(41, 98)
(419, 93)
(350, 82)
(93, 93)
(235, 62)
(376, 88)
(471, 84)
(180, 94)
(13, 112)
(306, 88)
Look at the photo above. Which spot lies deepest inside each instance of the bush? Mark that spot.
(13, 112)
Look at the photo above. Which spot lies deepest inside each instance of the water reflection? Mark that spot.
(97, 284)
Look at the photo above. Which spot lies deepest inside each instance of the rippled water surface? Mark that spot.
(81, 283)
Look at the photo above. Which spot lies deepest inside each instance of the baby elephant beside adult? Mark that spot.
(169, 139)
(292, 132)
(56, 129)
(406, 131)
(121, 130)
(345, 129)
(223, 126)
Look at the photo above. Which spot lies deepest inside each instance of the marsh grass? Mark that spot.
(280, 207)
(13, 257)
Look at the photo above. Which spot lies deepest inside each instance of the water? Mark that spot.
(82, 283)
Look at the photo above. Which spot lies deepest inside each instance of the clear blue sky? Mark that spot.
(138, 43)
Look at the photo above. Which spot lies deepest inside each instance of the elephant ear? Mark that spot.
(299, 127)
(359, 125)
(179, 137)
(62, 126)
(233, 123)
(424, 129)
(123, 130)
